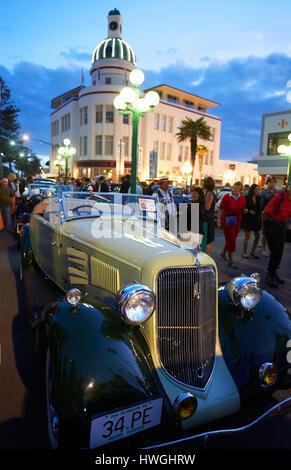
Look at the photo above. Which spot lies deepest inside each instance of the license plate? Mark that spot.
(124, 423)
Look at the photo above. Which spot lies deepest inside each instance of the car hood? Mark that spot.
(128, 242)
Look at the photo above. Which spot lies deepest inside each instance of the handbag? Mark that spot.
(230, 220)
(1, 222)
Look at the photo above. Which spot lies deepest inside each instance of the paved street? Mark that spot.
(249, 266)
(22, 411)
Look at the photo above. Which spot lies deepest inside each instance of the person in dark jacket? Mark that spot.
(101, 185)
(197, 197)
(251, 221)
(125, 184)
(210, 201)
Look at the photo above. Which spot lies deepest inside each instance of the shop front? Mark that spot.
(94, 168)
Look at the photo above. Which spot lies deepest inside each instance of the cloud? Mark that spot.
(74, 55)
(246, 88)
(32, 88)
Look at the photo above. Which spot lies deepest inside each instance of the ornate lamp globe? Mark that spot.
(66, 141)
(62, 150)
(127, 94)
(136, 77)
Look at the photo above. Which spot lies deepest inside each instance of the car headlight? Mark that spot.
(137, 303)
(244, 291)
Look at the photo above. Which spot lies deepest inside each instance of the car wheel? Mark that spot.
(53, 424)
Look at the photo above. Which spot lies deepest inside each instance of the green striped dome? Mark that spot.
(114, 48)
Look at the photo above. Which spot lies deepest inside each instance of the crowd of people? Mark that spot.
(259, 211)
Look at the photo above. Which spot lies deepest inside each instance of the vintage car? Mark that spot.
(140, 342)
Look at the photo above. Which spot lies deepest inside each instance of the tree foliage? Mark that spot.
(192, 130)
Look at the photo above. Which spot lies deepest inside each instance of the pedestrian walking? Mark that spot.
(275, 217)
(231, 207)
(266, 195)
(101, 185)
(125, 184)
(197, 197)
(246, 190)
(7, 204)
(87, 186)
(210, 202)
(252, 220)
(167, 203)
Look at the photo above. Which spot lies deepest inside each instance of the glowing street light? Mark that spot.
(286, 151)
(187, 171)
(66, 152)
(129, 101)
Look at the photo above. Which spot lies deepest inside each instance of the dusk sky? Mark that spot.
(235, 53)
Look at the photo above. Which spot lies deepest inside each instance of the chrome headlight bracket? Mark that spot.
(244, 291)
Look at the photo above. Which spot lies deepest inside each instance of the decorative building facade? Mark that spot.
(102, 137)
(275, 130)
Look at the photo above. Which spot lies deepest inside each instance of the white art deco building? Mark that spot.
(102, 137)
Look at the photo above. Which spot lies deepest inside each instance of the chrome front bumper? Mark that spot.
(206, 438)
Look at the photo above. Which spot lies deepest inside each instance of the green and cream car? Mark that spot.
(140, 341)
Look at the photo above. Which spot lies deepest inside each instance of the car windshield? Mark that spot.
(38, 188)
(85, 204)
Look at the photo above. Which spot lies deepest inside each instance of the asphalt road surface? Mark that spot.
(22, 403)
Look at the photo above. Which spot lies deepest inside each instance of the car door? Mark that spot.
(45, 242)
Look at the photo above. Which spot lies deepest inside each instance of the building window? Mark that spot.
(99, 113)
(172, 99)
(169, 150)
(162, 150)
(156, 146)
(85, 114)
(63, 124)
(125, 140)
(94, 82)
(276, 139)
(125, 118)
(109, 145)
(98, 145)
(180, 156)
(109, 114)
(81, 116)
(169, 124)
(163, 122)
(55, 128)
(81, 146)
(156, 121)
(85, 141)
(108, 81)
(188, 104)
(212, 133)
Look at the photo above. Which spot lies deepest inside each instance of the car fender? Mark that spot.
(250, 338)
(99, 363)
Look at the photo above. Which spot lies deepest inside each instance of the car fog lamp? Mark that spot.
(268, 374)
(137, 303)
(185, 405)
(73, 296)
(244, 291)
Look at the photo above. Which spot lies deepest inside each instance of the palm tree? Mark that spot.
(192, 130)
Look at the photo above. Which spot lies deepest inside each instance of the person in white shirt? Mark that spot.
(166, 200)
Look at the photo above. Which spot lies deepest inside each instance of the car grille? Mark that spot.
(186, 323)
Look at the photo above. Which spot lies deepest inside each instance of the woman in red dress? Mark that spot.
(232, 206)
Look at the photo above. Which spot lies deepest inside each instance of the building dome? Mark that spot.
(114, 12)
(114, 48)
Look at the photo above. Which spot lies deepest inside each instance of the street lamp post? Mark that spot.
(286, 151)
(66, 152)
(129, 101)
